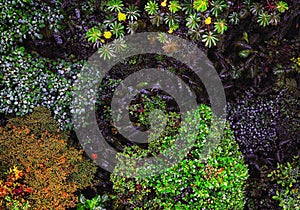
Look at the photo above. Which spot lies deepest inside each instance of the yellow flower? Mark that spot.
(102, 40)
(207, 21)
(17, 172)
(173, 28)
(298, 61)
(121, 16)
(164, 3)
(107, 35)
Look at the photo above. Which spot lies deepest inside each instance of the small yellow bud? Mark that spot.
(207, 21)
(121, 16)
(164, 3)
(107, 35)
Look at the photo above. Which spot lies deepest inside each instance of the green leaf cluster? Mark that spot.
(96, 203)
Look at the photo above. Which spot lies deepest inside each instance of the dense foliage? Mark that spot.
(217, 184)
(53, 170)
(28, 80)
(259, 123)
(200, 20)
(287, 176)
(13, 190)
(24, 19)
(252, 44)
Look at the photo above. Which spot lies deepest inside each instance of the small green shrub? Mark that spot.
(140, 112)
(53, 170)
(296, 63)
(190, 184)
(287, 73)
(96, 203)
(287, 176)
